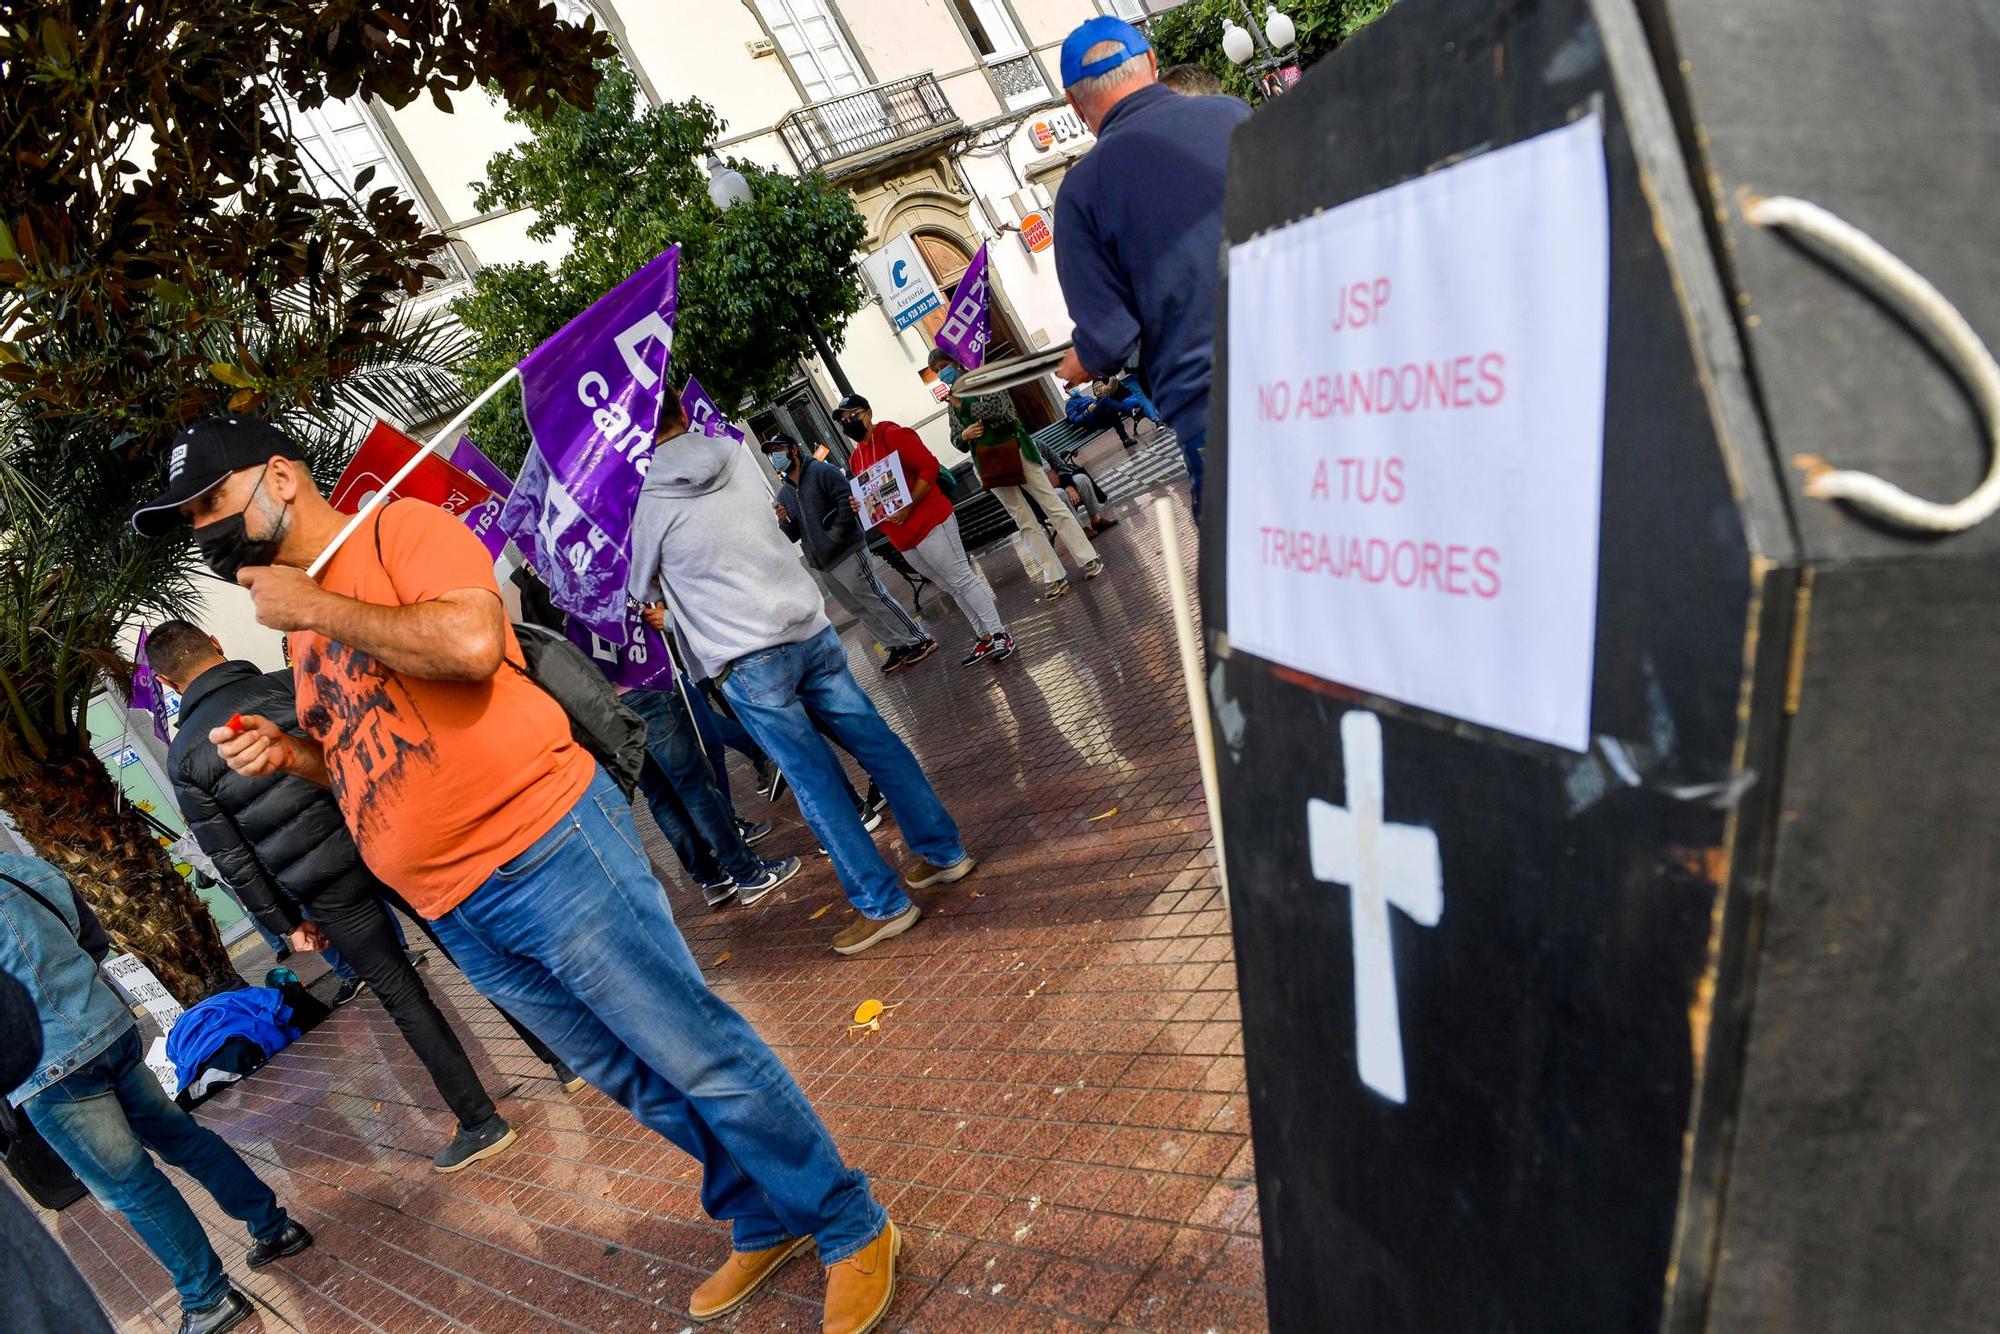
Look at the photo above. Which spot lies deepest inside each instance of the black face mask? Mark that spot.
(226, 547)
(853, 429)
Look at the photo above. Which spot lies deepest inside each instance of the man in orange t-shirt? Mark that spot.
(926, 530)
(466, 793)
(432, 782)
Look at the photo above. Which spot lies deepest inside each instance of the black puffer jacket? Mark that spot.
(278, 842)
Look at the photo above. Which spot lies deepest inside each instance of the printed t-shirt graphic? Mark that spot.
(441, 781)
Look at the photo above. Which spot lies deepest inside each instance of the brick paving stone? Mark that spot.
(1054, 1110)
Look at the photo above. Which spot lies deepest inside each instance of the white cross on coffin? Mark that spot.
(1381, 865)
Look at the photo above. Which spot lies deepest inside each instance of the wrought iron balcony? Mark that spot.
(866, 126)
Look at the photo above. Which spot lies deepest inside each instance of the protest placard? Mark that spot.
(881, 490)
(1416, 411)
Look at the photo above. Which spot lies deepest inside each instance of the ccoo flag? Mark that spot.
(969, 323)
(592, 395)
(147, 692)
(704, 416)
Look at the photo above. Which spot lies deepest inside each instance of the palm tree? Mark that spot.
(74, 577)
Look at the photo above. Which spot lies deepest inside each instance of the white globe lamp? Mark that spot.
(726, 186)
(1279, 29)
(1236, 44)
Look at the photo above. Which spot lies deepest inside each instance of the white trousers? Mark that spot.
(1038, 554)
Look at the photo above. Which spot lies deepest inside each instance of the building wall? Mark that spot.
(719, 51)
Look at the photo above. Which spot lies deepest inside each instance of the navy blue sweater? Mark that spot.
(1138, 244)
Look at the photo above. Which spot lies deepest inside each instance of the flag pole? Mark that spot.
(1182, 601)
(451, 428)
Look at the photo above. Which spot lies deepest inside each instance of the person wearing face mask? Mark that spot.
(926, 530)
(467, 792)
(812, 509)
(987, 427)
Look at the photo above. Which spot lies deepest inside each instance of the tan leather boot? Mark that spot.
(740, 1277)
(859, 1288)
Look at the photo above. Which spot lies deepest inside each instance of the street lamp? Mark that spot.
(1279, 28)
(726, 186)
(1240, 43)
(726, 189)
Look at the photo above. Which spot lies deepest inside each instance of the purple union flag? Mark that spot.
(703, 415)
(485, 521)
(969, 323)
(592, 395)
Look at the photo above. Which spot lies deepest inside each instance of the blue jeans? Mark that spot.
(1133, 400)
(718, 730)
(680, 791)
(780, 693)
(102, 1119)
(727, 731)
(575, 938)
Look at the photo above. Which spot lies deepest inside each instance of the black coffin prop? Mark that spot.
(1707, 1035)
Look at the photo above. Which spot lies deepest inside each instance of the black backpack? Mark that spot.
(599, 722)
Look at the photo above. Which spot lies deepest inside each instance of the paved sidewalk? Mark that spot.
(1053, 1109)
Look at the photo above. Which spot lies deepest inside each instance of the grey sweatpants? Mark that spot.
(941, 558)
(853, 582)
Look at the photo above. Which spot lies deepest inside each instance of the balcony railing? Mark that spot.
(866, 123)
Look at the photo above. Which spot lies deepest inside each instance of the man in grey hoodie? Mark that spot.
(704, 538)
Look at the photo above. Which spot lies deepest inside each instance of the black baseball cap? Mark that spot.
(205, 454)
(852, 403)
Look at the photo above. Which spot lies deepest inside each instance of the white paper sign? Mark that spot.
(881, 491)
(903, 281)
(143, 989)
(1416, 428)
(162, 1068)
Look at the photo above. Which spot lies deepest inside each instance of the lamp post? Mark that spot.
(1267, 44)
(726, 189)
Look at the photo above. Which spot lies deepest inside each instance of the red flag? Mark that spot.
(436, 479)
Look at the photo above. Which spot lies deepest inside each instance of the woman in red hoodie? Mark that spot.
(926, 530)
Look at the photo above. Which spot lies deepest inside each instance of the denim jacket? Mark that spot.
(81, 1014)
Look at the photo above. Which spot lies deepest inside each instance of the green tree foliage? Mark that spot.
(162, 257)
(73, 576)
(1191, 33)
(156, 189)
(617, 184)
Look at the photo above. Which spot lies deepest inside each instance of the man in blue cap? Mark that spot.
(1139, 226)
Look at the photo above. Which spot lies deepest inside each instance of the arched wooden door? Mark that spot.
(948, 260)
